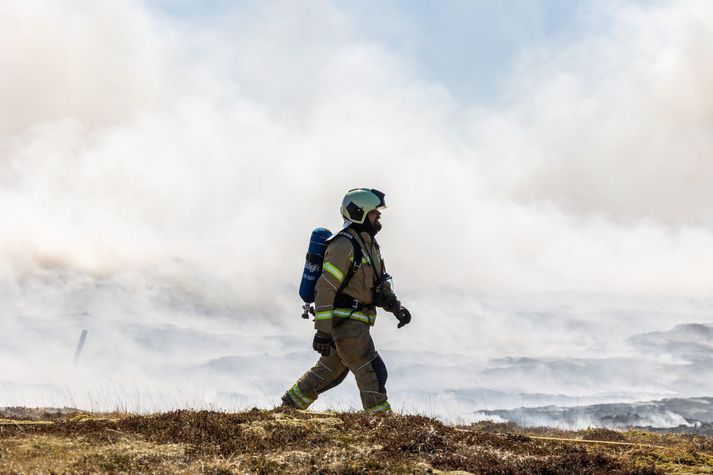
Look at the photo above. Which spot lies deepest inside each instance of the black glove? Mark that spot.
(322, 343)
(387, 301)
(403, 316)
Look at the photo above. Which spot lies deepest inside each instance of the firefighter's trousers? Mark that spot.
(354, 352)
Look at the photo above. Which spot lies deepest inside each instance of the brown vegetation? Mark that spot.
(286, 441)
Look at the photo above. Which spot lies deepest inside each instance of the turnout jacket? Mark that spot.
(337, 260)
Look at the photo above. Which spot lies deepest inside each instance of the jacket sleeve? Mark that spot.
(388, 288)
(387, 298)
(334, 271)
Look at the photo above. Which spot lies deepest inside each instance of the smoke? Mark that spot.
(148, 140)
(165, 172)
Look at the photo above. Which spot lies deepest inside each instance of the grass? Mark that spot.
(286, 441)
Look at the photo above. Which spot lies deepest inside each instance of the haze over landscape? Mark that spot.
(547, 171)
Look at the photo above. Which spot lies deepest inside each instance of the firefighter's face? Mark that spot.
(374, 217)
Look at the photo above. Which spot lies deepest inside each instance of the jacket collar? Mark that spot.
(365, 236)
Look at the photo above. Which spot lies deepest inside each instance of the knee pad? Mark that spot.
(379, 368)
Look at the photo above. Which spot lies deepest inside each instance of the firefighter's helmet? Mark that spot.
(358, 202)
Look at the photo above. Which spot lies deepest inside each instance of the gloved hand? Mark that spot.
(387, 301)
(403, 316)
(322, 343)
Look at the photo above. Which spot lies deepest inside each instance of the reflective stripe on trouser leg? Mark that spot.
(357, 351)
(298, 398)
(327, 373)
(385, 407)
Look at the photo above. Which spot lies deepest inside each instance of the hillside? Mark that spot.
(284, 441)
(673, 415)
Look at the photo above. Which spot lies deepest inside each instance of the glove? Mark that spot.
(322, 343)
(403, 316)
(387, 301)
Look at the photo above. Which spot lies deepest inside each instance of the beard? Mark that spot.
(368, 226)
(376, 227)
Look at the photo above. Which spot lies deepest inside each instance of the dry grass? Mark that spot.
(285, 441)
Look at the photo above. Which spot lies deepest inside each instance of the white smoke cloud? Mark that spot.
(158, 171)
(620, 120)
(105, 175)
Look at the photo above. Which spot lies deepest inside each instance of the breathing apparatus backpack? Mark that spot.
(318, 242)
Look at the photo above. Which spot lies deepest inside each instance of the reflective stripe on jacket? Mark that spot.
(337, 259)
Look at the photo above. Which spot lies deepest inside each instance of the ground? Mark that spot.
(297, 442)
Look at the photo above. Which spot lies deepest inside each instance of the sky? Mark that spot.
(469, 47)
(546, 166)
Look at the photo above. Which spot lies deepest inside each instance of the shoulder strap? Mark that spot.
(377, 277)
(356, 263)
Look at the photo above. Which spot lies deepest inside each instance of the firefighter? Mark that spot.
(352, 284)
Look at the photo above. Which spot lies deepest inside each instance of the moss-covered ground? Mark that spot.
(296, 442)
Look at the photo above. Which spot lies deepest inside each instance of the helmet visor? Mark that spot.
(381, 196)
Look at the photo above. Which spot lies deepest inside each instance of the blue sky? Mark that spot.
(469, 47)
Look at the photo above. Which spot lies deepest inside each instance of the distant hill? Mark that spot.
(688, 415)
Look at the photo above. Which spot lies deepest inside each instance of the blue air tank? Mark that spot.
(313, 263)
